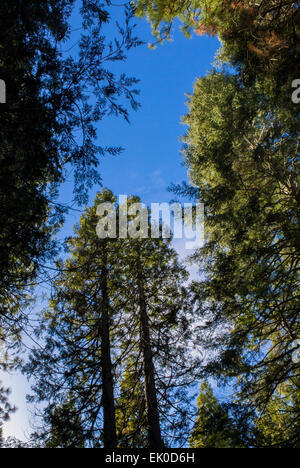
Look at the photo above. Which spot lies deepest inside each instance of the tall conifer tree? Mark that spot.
(118, 327)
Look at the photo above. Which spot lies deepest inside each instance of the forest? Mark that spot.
(129, 348)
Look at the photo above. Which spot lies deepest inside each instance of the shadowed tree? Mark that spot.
(65, 432)
(48, 124)
(59, 86)
(117, 329)
(221, 425)
(79, 334)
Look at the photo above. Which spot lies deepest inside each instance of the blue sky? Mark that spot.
(151, 160)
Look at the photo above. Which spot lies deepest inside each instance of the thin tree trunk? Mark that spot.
(110, 436)
(154, 432)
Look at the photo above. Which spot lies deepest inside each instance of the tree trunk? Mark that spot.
(110, 436)
(154, 433)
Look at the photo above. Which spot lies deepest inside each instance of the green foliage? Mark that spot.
(5, 408)
(162, 13)
(232, 425)
(152, 265)
(66, 428)
(131, 410)
(48, 126)
(241, 153)
(279, 425)
(260, 38)
(214, 427)
(73, 324)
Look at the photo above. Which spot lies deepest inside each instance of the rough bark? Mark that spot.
(154, 432)
(110, 435)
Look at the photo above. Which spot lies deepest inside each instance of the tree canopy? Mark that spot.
(116, 344)
(127, 337)
(55, 99)
(259, 38)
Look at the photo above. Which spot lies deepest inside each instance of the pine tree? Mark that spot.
(241, 152)
(259, 38)
(79, 339)
(131, 409)
(158, 321)
(279, 424)
(54, 99)
(215, 427)
(118, 326)
(47, 106)
(242, 156)
(66, 428)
